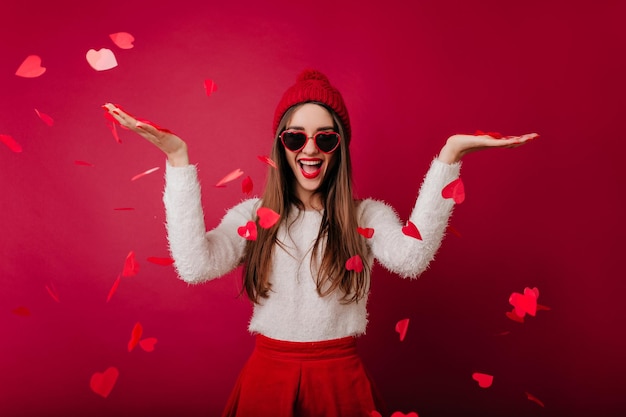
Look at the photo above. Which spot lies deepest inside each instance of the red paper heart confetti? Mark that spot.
(148, 343)
(533, 398)
(248, 231)
(21, 311)
(246, 185)
(494, 135)
(401, 327)
(45, 118)
(124, 208)
(513, 316)
(231, 176)
(131, 267)
(267, 217)
(484, 380)
(453, 231)
(455, 190)
(83, 163)
(525, 303)
(114, 287)
(366, 232)
(135, 335)
(354, 264)
(411, 230)
(160, 261)
(375, 413)
(53, 292)
(31, 67)
(210, 87)
(113, 129)
(540, 307)
(123, 40)
(102, 59)
(143, 174)
(400, 414)
(11, 143)
(267, 160)
(103, 382)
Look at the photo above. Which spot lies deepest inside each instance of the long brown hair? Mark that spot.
(337, 237)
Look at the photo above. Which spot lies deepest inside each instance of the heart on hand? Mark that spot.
(103, 382)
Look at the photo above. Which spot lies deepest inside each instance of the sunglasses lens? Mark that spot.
(294, 141)
(327, 142)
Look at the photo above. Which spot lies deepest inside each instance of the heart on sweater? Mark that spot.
(101, 60)
(484, 380)
(131, 266)
(247, 185)
(366, 232)
(123, 40)
(454, 190)
(401, 327)
(525, 303)
(31, 67)
(267, 217)
(248, 231)
(411, 230)
(354, 264)
(103, 382)
(401, 414)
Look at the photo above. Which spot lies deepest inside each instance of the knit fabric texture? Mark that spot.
(313, 86)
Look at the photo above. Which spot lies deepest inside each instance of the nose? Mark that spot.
(309, 146)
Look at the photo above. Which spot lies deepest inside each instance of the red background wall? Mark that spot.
(412, 73)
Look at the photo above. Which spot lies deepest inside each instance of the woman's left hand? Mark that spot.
(458, 146)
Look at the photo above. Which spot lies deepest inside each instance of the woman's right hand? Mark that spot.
(173, 146)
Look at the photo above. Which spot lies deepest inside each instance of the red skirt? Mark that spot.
(304, 379)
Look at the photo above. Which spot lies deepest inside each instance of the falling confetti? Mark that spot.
(494, 135)
(31, 67)
(103, 382)
(231, 176)
(114, 287)
(484, 380)
(453, 231)
(21, 311)
(267, 217)
(400, 414)
(525, 303)
(246, 185)
(11, 143)
(148, 343)
(53, 293)
(411, 230)
(455, 190)
(45, 118)
(102, 59)
(401, 327)
(210, 87)
(354, 264)
(534, 399)
(131, 267)
(135, 335)
(124, 208)
(143, 174)
(83, 163)
(366, 232)
(160, 261)
(267, 160)
(123, 40)
(249, 231)
(513, 316)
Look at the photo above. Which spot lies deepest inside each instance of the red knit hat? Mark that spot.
(312, 85)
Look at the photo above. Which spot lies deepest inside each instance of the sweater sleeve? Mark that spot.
(200, 255)
(402, 254)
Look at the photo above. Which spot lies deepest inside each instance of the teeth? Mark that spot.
(311, 163)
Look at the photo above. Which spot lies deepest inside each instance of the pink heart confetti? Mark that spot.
(248, 231)
(513, 316)
(135, 335)
(247, 185)
(160, 261)
(354, 264)
(401, 327)
(11, 143)
(267, 160)
(53, 293)
(267, 217)
(131, 267)
(411, 230)
(148, 343)
(83, 163)
(210, 87)
(123, 40)
(231, 176)
(45, 118)
(525, 303)
(31, 67)
(21, 311)
(102, 59)
(455, 190)
(143, 174)
(400, 414)
(114, 287)
(484, 380)
(103, 382)
(533, 398)
(366, 232)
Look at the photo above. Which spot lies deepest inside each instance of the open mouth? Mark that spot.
(310, 168)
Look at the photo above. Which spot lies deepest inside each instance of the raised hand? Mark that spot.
(173, 146)
(458, 146)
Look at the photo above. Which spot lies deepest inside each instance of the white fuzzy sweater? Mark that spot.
(294, 311)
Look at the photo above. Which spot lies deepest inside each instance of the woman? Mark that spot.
(308, 274)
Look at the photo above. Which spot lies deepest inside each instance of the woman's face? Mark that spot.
(309, 164)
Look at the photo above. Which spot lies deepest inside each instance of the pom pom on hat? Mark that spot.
(313, 86)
